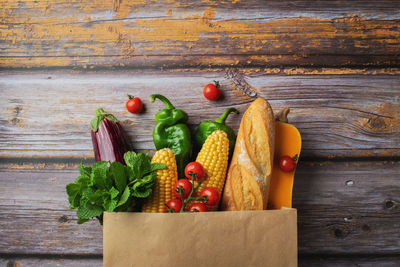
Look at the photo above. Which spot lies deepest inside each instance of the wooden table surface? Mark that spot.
(336, 64)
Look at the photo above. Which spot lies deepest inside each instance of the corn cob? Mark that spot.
(166, 179)
(214, 158)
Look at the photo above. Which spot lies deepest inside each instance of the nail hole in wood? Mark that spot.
(348, 219)
(349, 182)
(63, 219)
(389, 204)
(339, 233)
(17, 110)
(366, 228)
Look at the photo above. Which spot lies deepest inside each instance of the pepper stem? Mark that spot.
(224, 115)
(282, 115)
(168, 104)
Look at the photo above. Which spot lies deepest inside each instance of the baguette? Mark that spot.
(249, 174)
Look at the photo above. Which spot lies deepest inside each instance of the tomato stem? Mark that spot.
(193, 176)
(202, 198)
(170, 210)
(130, 96)
(182, 199)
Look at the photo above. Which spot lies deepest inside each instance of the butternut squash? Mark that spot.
(287, 142)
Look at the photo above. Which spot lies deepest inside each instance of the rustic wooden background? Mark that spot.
(336, 64)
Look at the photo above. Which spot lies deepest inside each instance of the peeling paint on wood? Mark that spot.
(335, 63)
(110, 33)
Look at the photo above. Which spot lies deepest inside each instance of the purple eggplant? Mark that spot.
(109, 140)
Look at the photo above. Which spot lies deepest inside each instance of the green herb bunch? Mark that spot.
(112, 186)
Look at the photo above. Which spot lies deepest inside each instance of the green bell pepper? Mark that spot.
(172, 132)
(207, 127)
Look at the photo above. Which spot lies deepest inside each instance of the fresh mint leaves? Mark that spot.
(112, 186)
(119, 173)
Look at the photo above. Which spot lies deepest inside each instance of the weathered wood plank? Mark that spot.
(35, 201)
(207, 33)
(254, 8)
(317, 261)
(50, 262)
(343, 208)
(352, 260)
(47, 114)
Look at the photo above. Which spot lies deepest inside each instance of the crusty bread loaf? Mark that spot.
(249, 174)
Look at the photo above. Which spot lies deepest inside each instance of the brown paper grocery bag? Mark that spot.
(225, 238)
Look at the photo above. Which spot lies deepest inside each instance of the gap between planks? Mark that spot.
(288, 70)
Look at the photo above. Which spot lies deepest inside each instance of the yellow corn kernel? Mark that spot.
(214, 158)
(166, 179)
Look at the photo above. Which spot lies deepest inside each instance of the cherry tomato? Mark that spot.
(134, 104)
(186, 185)
(198, 207)
(287, 164)
(211, 91)
(212, 195)
(175, 204)
(194, 167)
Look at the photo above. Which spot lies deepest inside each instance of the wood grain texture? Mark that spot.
(343, 208)
(47, 114)
(332, 261)
(335, 63)
(50, 262)
(36, 202)
(172, 34)
(351, 261)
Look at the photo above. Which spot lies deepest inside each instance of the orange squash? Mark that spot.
(287, 142)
